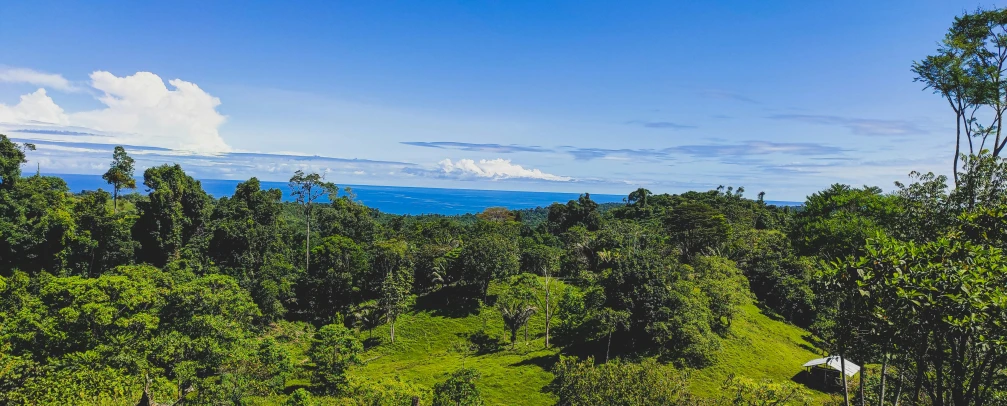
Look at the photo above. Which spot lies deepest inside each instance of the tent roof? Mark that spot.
(833, 362)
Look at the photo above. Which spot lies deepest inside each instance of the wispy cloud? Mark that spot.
(93, 145)
(668, 125)
(726, 95)
(36, 78)
(259, 155)
(587, 154)
(735, 150)
(473, 147)
(859, 126)
(749, 148)
(55, 132)
(90, 157)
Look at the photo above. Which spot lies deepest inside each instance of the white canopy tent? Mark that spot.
(834, 363)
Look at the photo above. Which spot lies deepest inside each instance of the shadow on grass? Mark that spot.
(819, 380)
(482, 343)
(810, 348)
(449, 301)
(295, 384)
(371, 342)
(772, 314)
(543, 361)
(814, 341)
(622, 347)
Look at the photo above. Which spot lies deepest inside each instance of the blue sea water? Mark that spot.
(396, 199)
(389, 199)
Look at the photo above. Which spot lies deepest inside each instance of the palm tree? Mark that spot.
(515, 315)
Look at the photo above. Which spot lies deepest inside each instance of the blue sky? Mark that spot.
(784, 97)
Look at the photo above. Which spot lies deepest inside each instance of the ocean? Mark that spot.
(394, 199)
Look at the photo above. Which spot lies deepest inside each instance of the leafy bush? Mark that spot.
(458, 390)
(582, 383)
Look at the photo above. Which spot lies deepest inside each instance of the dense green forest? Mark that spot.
(170, 296)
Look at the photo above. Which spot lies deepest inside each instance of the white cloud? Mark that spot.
(34, 108)
(141, 105)
(495, 169)
(22, 75)
(139, 109)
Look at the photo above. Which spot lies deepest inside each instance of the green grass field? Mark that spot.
(429, 346)
(758, 347)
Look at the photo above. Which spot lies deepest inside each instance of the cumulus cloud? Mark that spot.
(185, 117)
(495, 169)
(22, 75)
(138, 109)
(34, 108)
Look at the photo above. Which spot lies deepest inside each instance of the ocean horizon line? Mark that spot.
(411, 200)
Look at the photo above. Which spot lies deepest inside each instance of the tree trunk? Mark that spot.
(846, 392)
(526, 333)
(609, 346)
(548, 312)
(918, 381)
(939, 381)
(115, 200)
(863, 383)
(898, 392)
(884, 372)
(307, 241)
(391, 324)
(957, 149)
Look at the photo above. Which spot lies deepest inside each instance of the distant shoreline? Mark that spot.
(411, 200)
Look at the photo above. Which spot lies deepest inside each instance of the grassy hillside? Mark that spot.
(759, 347)
(430, 345)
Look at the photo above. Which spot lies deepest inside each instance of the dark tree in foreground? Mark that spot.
(174, 212)
(458, 390)
(333, 351)
(485, 258)
(582, 383)
(697, 228)
(12, 156)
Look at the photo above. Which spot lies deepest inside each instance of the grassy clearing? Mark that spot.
(430, 344)
(758, 347)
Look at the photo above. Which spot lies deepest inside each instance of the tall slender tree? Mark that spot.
(969, 71)
(543, 260)
(120, 174)
(391, 259)
(306, 189)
